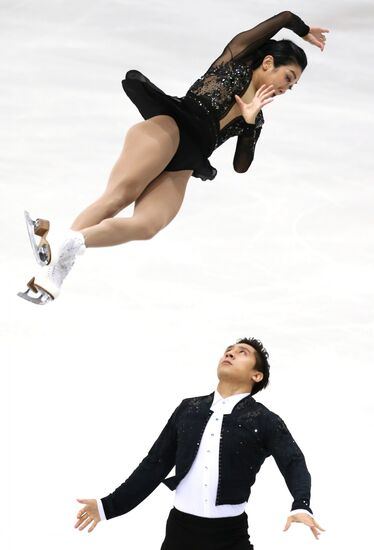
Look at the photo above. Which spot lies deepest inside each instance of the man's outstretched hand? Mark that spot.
(307, 520)
(88, 516)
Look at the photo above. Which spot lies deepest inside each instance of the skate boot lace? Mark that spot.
(59, 269)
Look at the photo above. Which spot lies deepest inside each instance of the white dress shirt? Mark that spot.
(197, 492)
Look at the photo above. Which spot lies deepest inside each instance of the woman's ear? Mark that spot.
(268, 63)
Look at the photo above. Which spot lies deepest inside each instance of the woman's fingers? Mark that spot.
(264, 90)
(267, 101)
(262, 93)
(239, 101)
(263, 96)
(267, 96)
(316, 36)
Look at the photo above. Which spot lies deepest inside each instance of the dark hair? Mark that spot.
(262, 364)
(283, 51)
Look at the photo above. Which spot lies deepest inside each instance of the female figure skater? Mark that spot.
(175, 141)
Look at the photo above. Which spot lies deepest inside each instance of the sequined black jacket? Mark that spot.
(231, 74)
(249, 435)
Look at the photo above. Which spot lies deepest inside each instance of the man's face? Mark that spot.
(238, 365)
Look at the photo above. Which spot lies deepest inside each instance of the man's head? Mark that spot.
(245, 364)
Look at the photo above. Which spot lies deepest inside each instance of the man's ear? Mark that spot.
(257, 376)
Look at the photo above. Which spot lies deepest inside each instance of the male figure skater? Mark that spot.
(217, 443)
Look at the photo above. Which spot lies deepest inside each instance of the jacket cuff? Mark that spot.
(301, 505)
(300, 511)
(100, 508)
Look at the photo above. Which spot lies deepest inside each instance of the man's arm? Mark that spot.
(290, 461)
(146, 477)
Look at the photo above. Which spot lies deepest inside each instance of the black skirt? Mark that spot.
(187, 532)
(196, 128)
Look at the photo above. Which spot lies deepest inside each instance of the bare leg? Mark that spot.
(149, 146)
(154, 209)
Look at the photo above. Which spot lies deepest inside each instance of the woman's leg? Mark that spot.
(149, 146)
(154, 209)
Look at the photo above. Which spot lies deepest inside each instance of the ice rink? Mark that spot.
(284, 252)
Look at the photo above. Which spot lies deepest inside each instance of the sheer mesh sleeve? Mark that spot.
(245, 149)
(247, 42)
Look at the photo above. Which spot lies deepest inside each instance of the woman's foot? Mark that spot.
(41, 247)
(47, 283)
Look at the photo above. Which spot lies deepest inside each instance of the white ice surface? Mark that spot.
(284, 252)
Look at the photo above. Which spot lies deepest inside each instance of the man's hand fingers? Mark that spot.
(307, 520)
(315, 532)
(92, 526)
(85, 523)
(78, 523)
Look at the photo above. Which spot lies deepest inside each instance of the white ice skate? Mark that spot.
(39, 228)
(35, 294)
(45, 286)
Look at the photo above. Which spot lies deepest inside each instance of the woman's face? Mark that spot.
(282, 77)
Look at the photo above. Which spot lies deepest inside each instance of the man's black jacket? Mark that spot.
(249, 434)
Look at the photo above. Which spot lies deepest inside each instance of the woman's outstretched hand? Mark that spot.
(307, 520)
(88, 516)
(249, 111)
(316, 36)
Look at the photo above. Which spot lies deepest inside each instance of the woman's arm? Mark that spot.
(247, 42)
(245, 150)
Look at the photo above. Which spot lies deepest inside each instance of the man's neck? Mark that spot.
(226, 389)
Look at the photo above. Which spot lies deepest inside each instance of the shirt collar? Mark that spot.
(232, 398)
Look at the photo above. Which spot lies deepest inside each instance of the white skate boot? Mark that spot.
(45, 286)
(39, 228)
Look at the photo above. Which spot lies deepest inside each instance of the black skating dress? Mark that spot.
(210, 98)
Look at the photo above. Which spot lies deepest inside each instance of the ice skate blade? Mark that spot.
(36, 296)
(41, 299)
(40, 228)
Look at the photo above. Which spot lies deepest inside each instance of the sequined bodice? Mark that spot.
(218, 86)
(215, 91)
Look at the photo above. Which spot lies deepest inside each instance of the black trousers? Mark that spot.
(187, 532)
